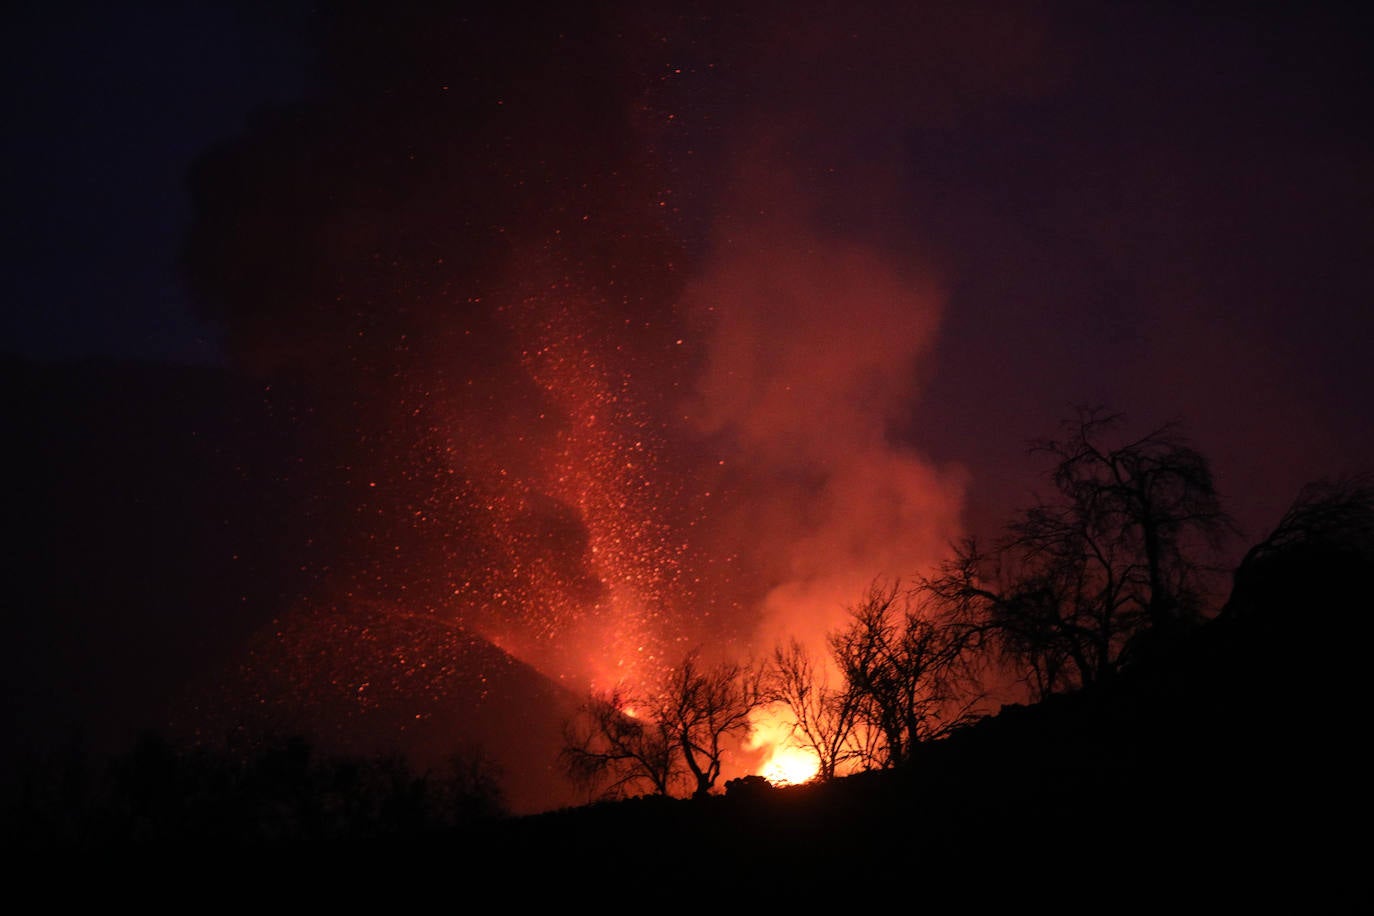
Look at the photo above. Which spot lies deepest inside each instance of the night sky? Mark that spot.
(361, 349)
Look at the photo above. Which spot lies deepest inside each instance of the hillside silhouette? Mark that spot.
(167, 521)
(1227, 762)
(1231, 753)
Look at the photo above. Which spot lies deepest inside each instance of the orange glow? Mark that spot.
(783, 762)
(791, 766)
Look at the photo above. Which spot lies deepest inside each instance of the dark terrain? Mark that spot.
(1228, 762)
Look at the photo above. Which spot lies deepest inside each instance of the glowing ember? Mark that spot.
(784, 763)
(791, 766)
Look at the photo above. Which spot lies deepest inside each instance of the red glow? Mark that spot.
(790, 766)
(783, 762)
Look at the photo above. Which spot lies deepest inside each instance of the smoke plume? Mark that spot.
(590, 341)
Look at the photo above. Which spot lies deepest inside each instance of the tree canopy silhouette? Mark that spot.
(1116, 560)
(912, 676)
(672, 739)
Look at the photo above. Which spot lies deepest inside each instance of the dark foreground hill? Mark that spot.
(1230, 762)
(1226, 769)
(1222, 771)
(165, 526)
(1230, 759)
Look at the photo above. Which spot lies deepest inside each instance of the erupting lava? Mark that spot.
(782, 763)
(603, 464)
(790, 766)
(556, 388)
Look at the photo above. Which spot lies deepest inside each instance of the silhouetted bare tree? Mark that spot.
(1328, 515)
(913, 676)
(611, 747)
(674, 739)
(707, 707)
(1116, 562)
(1295, 619)
(822, 717)
(1318, 555)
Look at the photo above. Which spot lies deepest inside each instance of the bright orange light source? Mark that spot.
(791, 766)
(784, 764)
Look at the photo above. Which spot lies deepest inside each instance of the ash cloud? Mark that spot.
(813, 347)
(597, 329)
(817, 294)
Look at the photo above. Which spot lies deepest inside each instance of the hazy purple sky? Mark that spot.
(1160, 206)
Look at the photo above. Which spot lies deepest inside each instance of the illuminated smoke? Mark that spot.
(579, 370)
(813, 350)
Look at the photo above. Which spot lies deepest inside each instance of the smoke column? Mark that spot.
(811, 346)
(594, 336)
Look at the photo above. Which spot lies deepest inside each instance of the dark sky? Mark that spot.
(634, 327)
(106, 108)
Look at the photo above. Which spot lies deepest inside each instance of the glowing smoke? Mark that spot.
(572, 371)
(813, 346)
